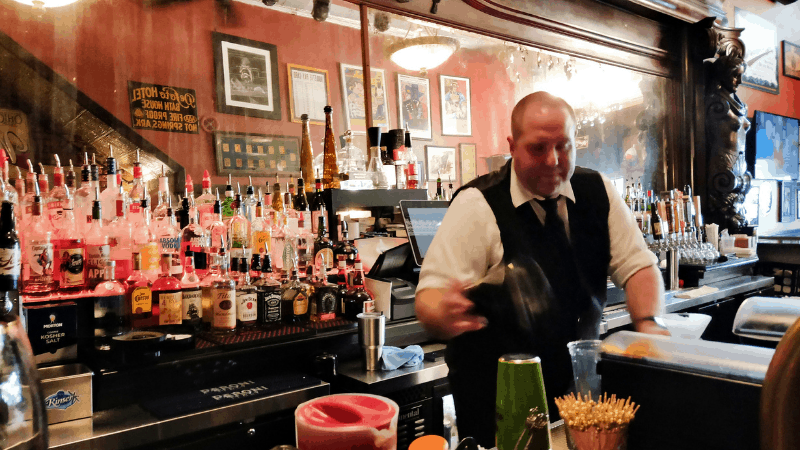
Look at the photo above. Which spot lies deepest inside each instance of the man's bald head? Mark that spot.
(540, 100)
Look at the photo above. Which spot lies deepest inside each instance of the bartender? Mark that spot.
(541, 213)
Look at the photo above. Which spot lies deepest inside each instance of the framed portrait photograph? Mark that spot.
(791, 60)
(243, 154)
(414, 102)
(246, 77)
(354, 104)
(440, 163)
(760, 38)
(456, 106)
(788, 201)
(469, 161)
(308, 93)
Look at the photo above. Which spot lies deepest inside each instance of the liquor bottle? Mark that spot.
(399, 157)
(288, 206)
(213, 275)
(227, 209)
(69, 178)
(182, 214)
(194, 240)
(223, 295)
(108, 197)
(323, 299)
(188, 189)
(138, 297)
(323, 247)
(249, 202)
(160, 210)
(280, 231)
(44, 189)
(84, 197)
(341, 284)
(306, 153)
(346, 247)
(192, 294)
(317, 205)
(450, 190)
(57, 196)
(413, 167)
(216, 231)
(358, 299)
(109, 308)
(144, 241)
(167, 295)
(260, 230)
(169, 239)
(304, 246)
(10, 259)
(9, 191)
(330, 167)
(294, 301)
(234, 270)
(70, 250)
(269, 213)
(439, 194)
(120, 233)
(239, 232)
(657, 223)
(205, 202)
(387, 149)
(277, 198)
(37, 270)
(98, 250)
(138, 189)
(26, 203)
(246, 298)
(300, 201)
(269, 295)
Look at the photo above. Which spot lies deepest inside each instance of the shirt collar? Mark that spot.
(520, 194)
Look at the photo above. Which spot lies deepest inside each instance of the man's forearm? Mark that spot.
(645, 293)
(425, 305)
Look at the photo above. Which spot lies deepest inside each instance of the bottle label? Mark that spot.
(261, 241)
(135, 207)
(96, 256)
(141, 300)
(149, 252)
(227, 211)
(192, 304)
(55, 210)
(72, 267)
(10, 261)
(246, 307)
(315, 221)
(288, 256)
(120, 208)
(41, 262)
(300, 304)
(270, 305)
(324, 258)
(369, 306)
(224, 309)
(170, 306)
(238, 234)
(170, 243)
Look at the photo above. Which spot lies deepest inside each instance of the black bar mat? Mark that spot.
(221, 395)
(246, 338)
(338, 323)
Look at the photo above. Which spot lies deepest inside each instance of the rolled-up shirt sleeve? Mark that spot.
(629, 252)
(467, 246)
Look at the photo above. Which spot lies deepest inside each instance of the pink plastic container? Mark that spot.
(346, 422)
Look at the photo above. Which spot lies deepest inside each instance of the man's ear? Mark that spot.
(510, 145)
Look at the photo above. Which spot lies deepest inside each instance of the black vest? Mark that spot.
(564, 301)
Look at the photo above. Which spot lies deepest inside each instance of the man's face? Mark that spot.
(544, 151)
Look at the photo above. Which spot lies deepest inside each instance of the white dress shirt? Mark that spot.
(467, 247)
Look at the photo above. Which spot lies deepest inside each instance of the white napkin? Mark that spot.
(696, 292)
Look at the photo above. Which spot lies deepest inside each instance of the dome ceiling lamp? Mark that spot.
(40, 5)
(422, 53)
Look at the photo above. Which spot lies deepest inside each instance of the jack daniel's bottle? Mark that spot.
(9, 261)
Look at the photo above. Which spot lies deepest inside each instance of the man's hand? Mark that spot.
(650, 327)
(446, 313)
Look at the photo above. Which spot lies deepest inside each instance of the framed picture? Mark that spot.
(308, 93)
(354, 104)
(440, 162)
(246, 77)
(469, 160)
(791, 60)
(751, 203)
(760, 38)
(788, 201)
(414, 102)
(797, 200)
(456, 106)
(242, 154)
(777, 148)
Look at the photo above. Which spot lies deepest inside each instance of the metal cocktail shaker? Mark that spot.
(522, 416)
(371, 336)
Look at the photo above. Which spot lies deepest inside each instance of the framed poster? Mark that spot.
(777, 146)
(469, 160)
(797, 200)
(791, 60)
(788, 201)
(246, 77)
(456, 106)
(414, 102)
(242, 154)
(760, 38)
(354, 104)
(440, 162)
(308, 93)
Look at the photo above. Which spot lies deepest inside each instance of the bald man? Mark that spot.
(543, 214)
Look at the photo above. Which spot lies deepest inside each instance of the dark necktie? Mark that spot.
(553, 225)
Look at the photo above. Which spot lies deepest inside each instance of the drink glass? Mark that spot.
(584, 355)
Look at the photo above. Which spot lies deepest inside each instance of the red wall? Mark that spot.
(99, 45)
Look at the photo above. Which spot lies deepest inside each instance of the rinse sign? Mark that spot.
(162, 108)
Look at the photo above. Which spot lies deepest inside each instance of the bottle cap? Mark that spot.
(111, 162)
(304, 117)
(327, 109)
(206, 180)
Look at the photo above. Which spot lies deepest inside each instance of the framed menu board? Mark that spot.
(242, 154)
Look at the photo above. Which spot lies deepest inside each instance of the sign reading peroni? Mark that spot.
(163, 108)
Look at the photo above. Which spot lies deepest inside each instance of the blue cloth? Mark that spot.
(394, 358)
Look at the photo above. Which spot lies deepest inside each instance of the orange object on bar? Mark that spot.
(431, 442)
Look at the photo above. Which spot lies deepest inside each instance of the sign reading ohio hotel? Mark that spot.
(162, 108)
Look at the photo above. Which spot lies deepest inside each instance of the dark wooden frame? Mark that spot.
(219, 69)
(795, 48)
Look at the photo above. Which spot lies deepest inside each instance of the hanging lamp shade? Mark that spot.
(42, 4)
(422, 53)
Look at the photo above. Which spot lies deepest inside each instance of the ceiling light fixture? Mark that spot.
(422, 53)
(40, 5)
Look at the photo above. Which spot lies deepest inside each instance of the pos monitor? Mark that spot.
(422, 220)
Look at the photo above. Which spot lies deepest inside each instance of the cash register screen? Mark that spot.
(422, 219)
